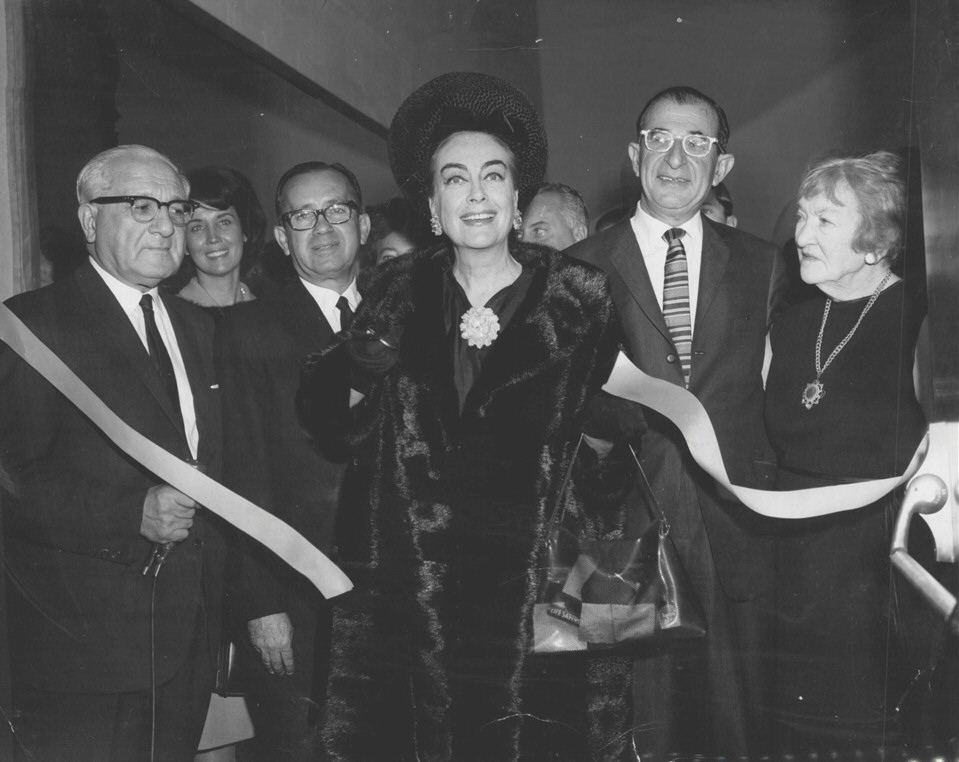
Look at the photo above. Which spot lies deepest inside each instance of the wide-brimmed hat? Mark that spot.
(464, 101)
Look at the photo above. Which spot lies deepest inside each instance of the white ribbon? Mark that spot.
(262, 526)
(687, 412)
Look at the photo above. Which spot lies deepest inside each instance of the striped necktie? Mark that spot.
(676, 298)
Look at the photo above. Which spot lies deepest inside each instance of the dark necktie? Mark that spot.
(676, 298)
(346, 314)
(158, 352)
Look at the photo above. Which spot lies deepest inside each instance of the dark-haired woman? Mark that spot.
(223, 239)
(395, 229)
(474, 358)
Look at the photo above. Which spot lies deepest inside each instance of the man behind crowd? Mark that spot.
(556, 216)
(261, 346)
(692, 301)
(103, 656)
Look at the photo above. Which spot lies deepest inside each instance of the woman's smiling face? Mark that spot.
(214, 240)
(473, 190)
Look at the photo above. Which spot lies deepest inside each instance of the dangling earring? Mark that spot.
(517, 220)
(435, 225)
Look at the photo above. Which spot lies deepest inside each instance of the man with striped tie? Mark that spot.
(692, 299)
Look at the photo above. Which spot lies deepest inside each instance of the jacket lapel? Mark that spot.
(111, 324)
(302, 316)
(713, 268)
(627, 260)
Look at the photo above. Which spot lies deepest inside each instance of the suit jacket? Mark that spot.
(72, 522)
(727, 356)
(269, 460)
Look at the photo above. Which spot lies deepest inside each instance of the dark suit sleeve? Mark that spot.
(247, 452)
(323, 401)
(59, 499)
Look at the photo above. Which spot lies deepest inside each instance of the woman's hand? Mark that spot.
(372, 356)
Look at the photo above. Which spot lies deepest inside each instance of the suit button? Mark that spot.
(671, 358)
(198, 543)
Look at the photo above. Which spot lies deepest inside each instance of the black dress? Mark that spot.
(839, 656)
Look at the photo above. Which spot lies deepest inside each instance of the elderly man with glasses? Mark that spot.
(320, 227)
(108, 661)
(692, 302)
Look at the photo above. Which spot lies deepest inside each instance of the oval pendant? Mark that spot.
(812, 394)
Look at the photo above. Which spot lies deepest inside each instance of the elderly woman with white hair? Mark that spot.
(841, 407)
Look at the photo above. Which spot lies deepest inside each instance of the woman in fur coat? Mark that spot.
(459, 390)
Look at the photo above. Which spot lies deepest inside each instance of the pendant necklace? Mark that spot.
(814, 389)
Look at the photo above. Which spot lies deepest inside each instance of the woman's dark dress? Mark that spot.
(464, 451)
(838, 641)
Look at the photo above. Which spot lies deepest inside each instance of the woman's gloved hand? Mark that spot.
(372, 356)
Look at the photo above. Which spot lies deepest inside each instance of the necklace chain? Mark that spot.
(872, 300)
(238, 294)
(814, 390)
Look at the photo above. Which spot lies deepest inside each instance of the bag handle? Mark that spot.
(651, 502)
(562, 490)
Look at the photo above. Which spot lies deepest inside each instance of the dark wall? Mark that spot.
(168, 75)
(796, 77)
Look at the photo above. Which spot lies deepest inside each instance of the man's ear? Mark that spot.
(364, 227)
(580, 232)
(731, 220)
(635, 156)
(87, 213)
(724, 165)
(279, 233)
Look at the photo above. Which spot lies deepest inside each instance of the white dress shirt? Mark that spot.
(326, 299)
(649, 235)
(129, 299)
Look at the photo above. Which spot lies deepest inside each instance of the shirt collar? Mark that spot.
(128, 296)
(655, 228)
(327, 297)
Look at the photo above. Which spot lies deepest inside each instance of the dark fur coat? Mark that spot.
(430, 650)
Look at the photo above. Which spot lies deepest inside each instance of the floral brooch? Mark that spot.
(479, 326)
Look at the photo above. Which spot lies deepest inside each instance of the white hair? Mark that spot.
(94, 179)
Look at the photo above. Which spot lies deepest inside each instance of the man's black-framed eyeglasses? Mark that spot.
(661, 141)
(146, 208)
(306, 219)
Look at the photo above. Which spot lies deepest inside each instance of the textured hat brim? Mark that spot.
(464, 101)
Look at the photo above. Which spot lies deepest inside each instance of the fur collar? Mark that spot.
(409, 291)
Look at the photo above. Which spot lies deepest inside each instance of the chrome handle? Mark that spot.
(926, 494)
